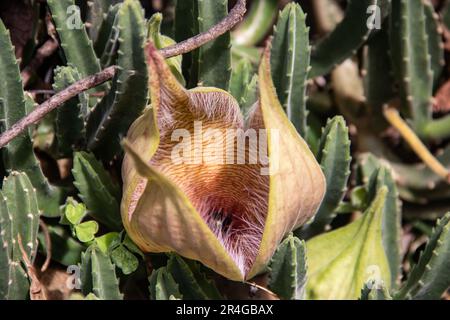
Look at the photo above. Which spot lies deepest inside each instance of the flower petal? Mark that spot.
(168, 207)
(166, 221)
(297, 184)
(156, 212)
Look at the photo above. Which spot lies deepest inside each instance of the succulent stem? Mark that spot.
(257, 23)
(438, 129)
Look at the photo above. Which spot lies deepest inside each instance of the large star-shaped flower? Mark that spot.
(227, 211)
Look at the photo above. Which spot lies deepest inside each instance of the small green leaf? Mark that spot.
(75, 212)
(86, 231)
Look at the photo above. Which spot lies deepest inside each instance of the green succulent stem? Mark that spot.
(78, 48)
(290, 59)
(344, 40)
(411, 61)
(438, 129)
(257, 23)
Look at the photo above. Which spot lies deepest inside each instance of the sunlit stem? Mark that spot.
(415, 143)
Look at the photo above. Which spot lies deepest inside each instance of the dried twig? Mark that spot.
(235, 15)
(37, 114)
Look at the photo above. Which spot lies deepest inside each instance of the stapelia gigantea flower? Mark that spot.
(230, 217)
